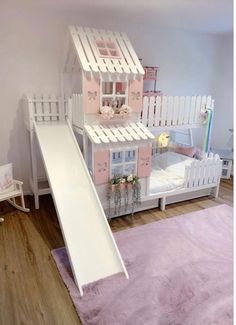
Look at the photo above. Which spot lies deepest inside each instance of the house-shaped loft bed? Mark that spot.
(101, 73)
(101, 106)
(102, 70)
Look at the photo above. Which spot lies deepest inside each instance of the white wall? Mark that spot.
(31, 54)
(223, 92)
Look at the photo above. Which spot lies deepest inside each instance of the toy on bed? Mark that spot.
(11, 188)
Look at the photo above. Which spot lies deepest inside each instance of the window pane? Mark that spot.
(114, 53)
(130, 155)
(107, 102)
(110, 45)
(116, 171)
(100, 44)
(120, 88)
(103, 52)
(129, 169)
(119, 101)
(107, 88)
(117, 157)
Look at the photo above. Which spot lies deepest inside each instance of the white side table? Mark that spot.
(227, 158)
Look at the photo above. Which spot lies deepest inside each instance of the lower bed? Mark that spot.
(168, 172)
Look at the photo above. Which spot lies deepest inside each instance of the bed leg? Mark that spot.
(163, 203)
(36, 201)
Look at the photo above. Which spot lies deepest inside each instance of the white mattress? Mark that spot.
(168, 171)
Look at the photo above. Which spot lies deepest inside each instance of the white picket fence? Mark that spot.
(203, 172)
(162, 111)
(201, 176)
(46, 108)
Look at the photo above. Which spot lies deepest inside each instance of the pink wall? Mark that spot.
(91, 95)
(144, 161)
(136, 94)
(101, 166)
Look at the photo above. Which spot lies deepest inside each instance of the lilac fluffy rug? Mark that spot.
(181, 273)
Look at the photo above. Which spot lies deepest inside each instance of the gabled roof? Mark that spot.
(107, 53)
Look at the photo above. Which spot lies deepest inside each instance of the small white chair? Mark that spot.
(10, 189)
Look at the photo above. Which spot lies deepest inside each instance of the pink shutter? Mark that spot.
(101, 167)
(91, 95)
(136, 94)
(144, 161)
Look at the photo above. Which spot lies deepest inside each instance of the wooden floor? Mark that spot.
(31, 289)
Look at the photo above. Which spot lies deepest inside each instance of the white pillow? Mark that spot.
(6, 179)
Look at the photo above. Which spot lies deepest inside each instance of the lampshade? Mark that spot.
(163, 140)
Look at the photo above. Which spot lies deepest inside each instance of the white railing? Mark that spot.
(203, 172)
(46, 108)
(77, 110)
(172, 111)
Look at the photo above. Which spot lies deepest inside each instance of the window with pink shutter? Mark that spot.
(123, 162)
(113, 94)
(101, 166)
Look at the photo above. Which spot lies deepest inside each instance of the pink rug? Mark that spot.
(181, 273)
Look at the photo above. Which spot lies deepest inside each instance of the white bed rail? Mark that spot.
(174, 111)
(203, 172)
(200, 176)
(46, 108)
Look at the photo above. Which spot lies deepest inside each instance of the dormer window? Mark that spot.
(107, 49)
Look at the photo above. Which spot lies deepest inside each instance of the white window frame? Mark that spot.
(124, 163)
(105, 46)
(113, 96)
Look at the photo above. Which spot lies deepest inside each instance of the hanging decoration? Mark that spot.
(123, 190)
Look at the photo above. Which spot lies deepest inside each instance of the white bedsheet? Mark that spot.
(168, 172)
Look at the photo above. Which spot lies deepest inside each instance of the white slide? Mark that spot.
(90, 244)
